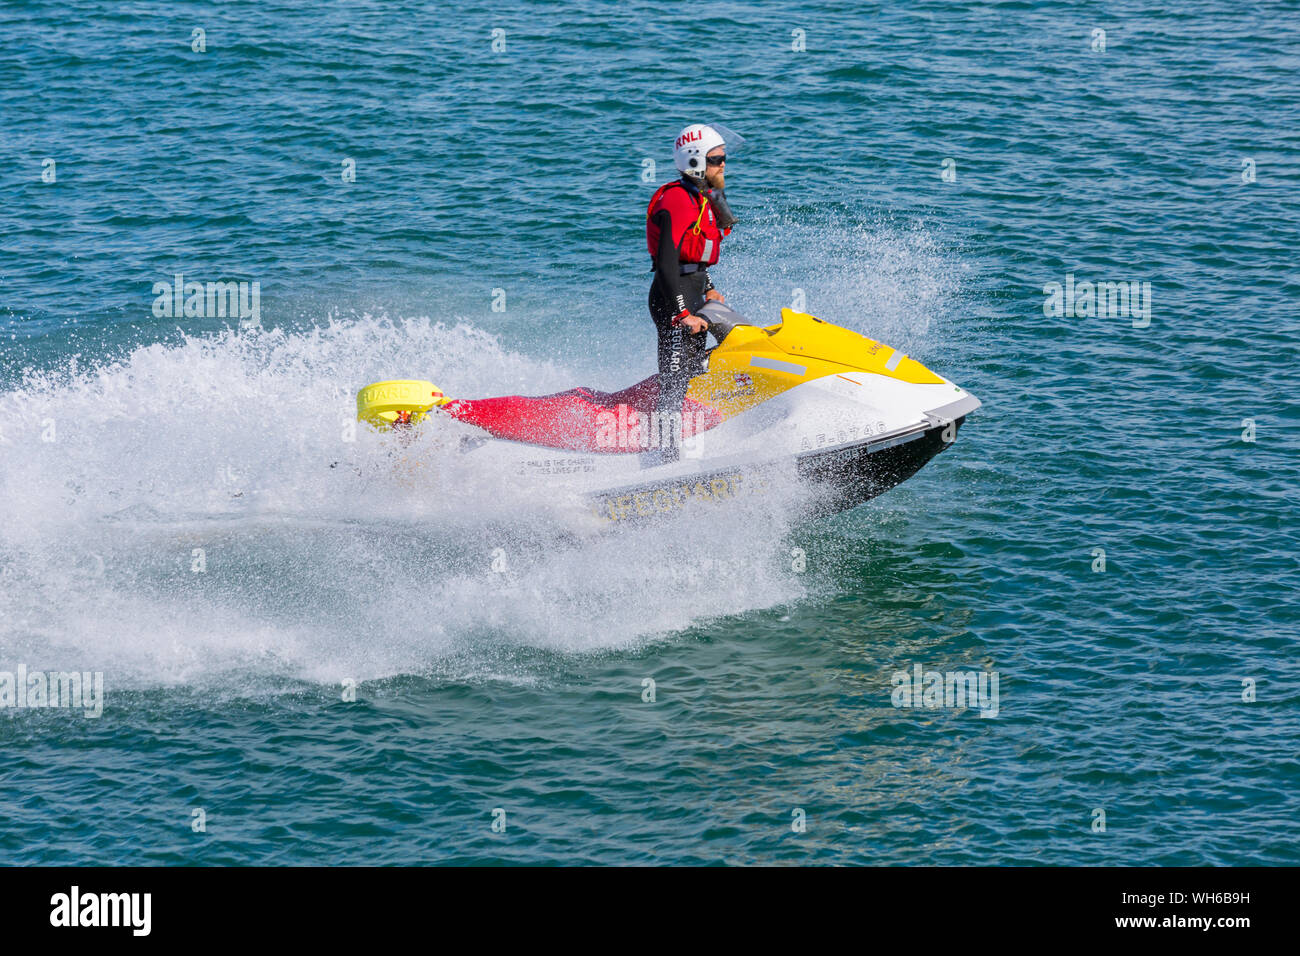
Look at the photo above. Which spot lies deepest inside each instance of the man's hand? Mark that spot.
(713, 295)
(695, 323)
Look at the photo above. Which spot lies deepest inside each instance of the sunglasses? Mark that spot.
(715, 160)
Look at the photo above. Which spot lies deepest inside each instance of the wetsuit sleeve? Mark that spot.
(667, 264)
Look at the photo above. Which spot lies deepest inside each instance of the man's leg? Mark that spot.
(674, 379)
(681, 355)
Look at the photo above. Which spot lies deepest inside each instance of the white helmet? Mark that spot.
(693, 144)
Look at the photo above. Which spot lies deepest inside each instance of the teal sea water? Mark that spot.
(168, 516)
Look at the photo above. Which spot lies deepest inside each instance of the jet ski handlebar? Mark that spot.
(721, 318)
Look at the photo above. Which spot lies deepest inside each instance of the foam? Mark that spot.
(218, 451)
(222, 445)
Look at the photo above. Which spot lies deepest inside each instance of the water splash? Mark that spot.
(205, 508)
(191, 512)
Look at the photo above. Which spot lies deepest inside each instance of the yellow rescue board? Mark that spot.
(382, 403)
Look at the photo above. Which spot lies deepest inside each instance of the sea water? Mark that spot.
(306, 660)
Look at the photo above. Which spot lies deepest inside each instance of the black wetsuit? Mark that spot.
(682, 354)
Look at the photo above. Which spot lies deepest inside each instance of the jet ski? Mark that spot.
(846, 416)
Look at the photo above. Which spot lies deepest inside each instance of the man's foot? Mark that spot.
(659, 456)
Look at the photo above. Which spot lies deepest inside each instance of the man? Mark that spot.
(685, 223)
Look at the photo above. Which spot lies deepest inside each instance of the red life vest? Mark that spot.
(695, 230)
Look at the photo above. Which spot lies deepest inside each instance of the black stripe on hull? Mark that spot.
(839, 479)
(846, 478)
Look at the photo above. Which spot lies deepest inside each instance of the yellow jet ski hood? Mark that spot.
(801, 348)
